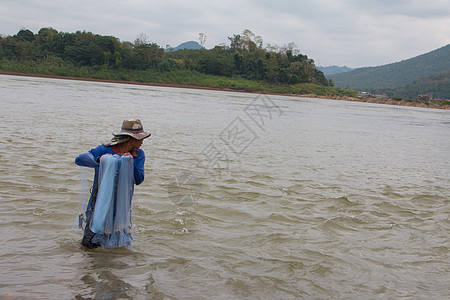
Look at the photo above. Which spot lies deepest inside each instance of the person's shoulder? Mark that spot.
(140, 153)
(101, 149)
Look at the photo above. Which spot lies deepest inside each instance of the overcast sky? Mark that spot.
(355, 33)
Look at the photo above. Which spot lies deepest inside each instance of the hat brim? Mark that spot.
(118, 139)
(139, 135)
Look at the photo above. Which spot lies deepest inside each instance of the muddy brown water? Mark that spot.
(245, 196)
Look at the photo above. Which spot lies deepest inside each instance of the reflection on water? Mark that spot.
(112, 274)
(320, 199)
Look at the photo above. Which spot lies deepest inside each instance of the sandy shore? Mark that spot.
(387, 101)
(342, 98)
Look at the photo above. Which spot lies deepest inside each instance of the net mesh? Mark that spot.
(111, 220)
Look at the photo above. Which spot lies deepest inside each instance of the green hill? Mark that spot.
(396, 74)
(435, 86)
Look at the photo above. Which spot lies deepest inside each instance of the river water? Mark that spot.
(245, 196)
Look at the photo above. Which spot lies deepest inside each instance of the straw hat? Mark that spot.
(132, 128)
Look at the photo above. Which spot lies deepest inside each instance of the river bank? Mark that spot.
(388, 101)
(375, 100)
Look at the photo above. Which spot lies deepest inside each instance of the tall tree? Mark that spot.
(202, 39)
(26, 35)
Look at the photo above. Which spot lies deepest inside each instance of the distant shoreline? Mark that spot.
(174, 85)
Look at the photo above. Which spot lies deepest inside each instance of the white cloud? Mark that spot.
(344, 32)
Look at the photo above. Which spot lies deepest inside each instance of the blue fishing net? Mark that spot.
(111, 220)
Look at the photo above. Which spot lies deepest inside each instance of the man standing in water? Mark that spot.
(126, 142)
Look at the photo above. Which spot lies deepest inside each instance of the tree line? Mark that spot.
(244, 57)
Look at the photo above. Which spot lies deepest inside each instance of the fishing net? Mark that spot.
(84, 160)
(111, 220)
(81, 218)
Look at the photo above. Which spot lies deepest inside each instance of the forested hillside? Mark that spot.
(395, 74)
(435, 86)
(330, 70)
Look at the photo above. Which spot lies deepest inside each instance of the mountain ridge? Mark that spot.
(395, 75)
(330, 70)
(188, 45)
